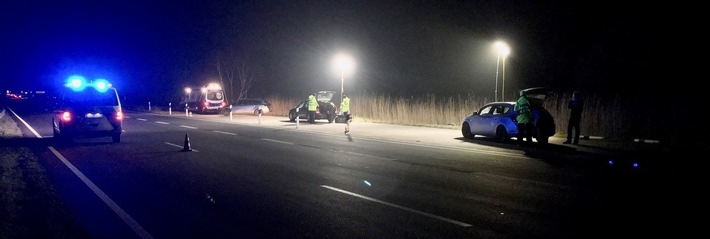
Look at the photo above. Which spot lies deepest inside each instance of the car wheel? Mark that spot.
(56, 136)
(292, 117)
(502, 134)
(116, 138)
(55, 133)
(466, 131)
(331, 118)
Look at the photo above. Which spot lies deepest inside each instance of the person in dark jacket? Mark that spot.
(576, 105)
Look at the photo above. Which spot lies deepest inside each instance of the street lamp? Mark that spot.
(503, 50)
(343, 63)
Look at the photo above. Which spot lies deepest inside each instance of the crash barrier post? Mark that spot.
(297, 116)
(149, 110)
(170, 108)
(186, 114)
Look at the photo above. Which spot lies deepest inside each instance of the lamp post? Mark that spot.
(503, 50)
(343, 63)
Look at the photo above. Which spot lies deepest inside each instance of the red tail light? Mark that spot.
(205, 103)
(119, 115)
(66, 116)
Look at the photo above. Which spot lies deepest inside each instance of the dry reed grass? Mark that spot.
(611, 117)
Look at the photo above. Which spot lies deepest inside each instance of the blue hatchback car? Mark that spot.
(497, 119)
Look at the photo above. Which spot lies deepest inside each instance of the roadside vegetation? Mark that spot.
(607, 116)
(610, 117)
(29, 205)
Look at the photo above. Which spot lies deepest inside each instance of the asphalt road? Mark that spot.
(266, 177)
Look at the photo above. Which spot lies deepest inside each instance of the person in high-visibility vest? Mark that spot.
(524, 118)
(312, 107)
(345, 108)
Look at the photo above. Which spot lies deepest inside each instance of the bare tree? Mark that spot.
(239, 72)
(226, 74)
(246, 78)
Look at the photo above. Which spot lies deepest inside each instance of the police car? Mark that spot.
(87, 109)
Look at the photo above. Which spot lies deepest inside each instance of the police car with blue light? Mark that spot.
(87, 109)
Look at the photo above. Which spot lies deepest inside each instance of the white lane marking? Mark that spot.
(179, 146)
(278, 141)
(105, 198)
(398, 206)
(222, 132)
(25, 123)
(189, 127)
(161, 122)
(142, 119)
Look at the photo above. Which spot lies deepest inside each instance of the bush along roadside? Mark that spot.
(29, 205)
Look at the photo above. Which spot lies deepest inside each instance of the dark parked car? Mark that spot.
(87, 109)
(497, 119)
(326, 109)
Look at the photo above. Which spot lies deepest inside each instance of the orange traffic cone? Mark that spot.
(186, 146)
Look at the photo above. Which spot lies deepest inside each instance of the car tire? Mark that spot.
(292, 117)
(502, 134)
(466, 131)
(58, 137)
(331, 118)
(116, 138)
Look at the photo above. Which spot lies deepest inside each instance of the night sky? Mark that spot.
(153, 49)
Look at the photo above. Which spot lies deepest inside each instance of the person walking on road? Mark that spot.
(345, 108)
(312, 107)
(576, 105)
(524, 119)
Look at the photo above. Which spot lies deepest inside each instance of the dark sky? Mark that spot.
(153, 49)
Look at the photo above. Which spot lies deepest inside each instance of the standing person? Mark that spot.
(524, 119)
(312, 107)
(345, 108)
(576, 105)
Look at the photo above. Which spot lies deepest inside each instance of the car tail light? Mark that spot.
(205, 103)
(66, 116)
(119, 115)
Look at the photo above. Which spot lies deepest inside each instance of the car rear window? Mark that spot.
(91, 98)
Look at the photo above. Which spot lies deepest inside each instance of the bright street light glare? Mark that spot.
(502, 50)
(343, 63)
